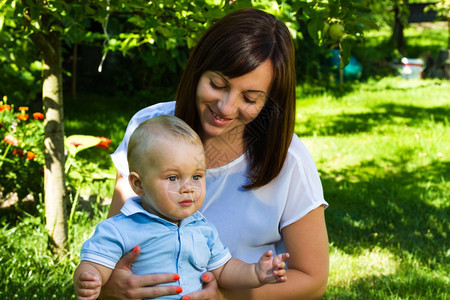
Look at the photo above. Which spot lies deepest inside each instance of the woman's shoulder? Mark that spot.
(299, 156)
(162, 108)
(297, 149)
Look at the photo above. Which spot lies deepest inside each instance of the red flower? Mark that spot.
(5, 107)
(104, 143)
(11, 140)
(18, 152)
(30, 155)
(38, 116)
(22, 117)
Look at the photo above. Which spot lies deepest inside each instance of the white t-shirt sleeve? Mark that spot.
(119, 157)
(305, 191)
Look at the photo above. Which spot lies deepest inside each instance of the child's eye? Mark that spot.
(172, 178)
(196, 177)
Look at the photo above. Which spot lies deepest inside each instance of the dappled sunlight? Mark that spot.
(347, 268)
(376, 273)
(388, 206)
(382, 152)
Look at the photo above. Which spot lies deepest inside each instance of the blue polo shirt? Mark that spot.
(189, 249)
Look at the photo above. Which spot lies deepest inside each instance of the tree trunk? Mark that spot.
(74, 71)
(448, 33)
(54, 182)
(398, 39)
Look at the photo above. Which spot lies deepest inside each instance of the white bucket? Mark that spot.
(410, 68)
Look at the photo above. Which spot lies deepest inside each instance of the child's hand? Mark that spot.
(87, 286)
(271, 269)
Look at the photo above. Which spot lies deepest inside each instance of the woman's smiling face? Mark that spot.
(226, 105)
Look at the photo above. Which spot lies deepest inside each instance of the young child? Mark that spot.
(167, 172)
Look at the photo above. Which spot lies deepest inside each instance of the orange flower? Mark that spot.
(38, 116)
(22, 117)
(23, 108)
(104, 143)
(11, 140)
(18, 152)
(5, 107)
(30, 155)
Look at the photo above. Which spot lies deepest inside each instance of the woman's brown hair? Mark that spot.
(235, 45)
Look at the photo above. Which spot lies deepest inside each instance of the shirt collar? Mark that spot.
(133, 206)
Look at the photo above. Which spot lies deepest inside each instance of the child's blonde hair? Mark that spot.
(163, 126)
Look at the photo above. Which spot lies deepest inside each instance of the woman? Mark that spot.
(263, 190)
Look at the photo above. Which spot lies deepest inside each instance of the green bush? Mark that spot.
(21, 150)
(22, 154)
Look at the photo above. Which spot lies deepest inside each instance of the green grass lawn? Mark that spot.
(382, 150)
(383, 154)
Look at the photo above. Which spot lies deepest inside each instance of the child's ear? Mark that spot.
(136, 183)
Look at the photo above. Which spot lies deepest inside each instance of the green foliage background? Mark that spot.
(143, 44)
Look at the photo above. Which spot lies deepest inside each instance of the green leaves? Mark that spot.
(160, 33)
(335, 23)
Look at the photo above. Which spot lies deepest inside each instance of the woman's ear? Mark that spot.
(136, 183)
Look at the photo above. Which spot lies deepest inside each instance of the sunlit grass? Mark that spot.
(383, 153)
(349, 268)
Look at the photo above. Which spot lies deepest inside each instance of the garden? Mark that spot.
(380, 143)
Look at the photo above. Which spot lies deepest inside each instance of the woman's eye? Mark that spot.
(215, 86)
(248, 100)
(196, 177)
(172, 178)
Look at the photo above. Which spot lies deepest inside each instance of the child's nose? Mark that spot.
(190, 186)
(186, 187)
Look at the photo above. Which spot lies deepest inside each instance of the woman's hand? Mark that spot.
(123, 284)
(210, 289)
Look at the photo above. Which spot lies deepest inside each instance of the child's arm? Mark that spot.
(237, 274)
(88, 279)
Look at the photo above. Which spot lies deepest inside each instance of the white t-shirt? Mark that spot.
(249, 222)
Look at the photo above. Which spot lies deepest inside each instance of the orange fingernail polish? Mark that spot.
(135, 249)
(205, 277)
(185, 298)
(176, 277)
(179, 289)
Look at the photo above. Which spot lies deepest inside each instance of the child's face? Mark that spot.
(173, 184)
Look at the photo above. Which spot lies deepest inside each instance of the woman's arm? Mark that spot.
(122, 191)
(306, 241)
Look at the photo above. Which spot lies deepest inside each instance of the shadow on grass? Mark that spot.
(385, 114)
(404, 211)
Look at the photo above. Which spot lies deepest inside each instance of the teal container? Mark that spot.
(352, 71)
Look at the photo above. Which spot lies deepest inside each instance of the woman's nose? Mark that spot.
(228, 103)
